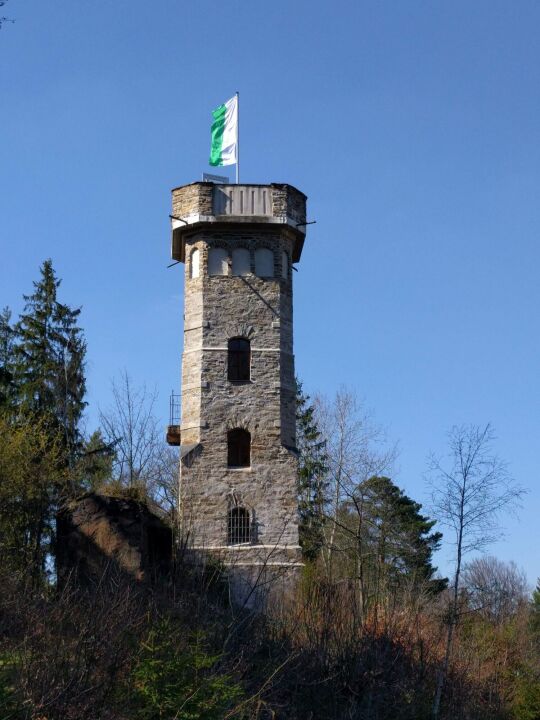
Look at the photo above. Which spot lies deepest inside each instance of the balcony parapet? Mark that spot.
(203, 203)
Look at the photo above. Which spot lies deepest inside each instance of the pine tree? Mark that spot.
(389, 543)
(95, 465)
(535, 610)
(42, 358)
(49, 369)
(7, 388)
(312, 470)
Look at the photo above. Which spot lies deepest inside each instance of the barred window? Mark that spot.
(239, 360)
(238, 448)
(238, 526)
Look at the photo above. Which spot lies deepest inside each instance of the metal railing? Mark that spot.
(174, 409)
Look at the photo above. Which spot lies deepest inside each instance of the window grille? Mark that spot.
(238, 448)
(238, 526)
(239, 360)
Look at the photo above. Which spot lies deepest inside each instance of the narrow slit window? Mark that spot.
(238, 448)
(238, 526)
(239, 360)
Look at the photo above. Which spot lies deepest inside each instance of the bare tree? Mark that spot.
(130, 425)
(494, 588)
(163, 484)
(356, 450)
(469, 491)
(143, 460)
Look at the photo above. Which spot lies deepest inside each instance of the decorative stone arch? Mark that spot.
(236, 498)
(270, 242)
(240, 330)
(236, 241)
(238, 421)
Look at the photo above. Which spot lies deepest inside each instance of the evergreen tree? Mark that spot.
(7, 388)
(535, 610)
(95, 465)
(31, 460)
(312, 469)
(49, 369)
(42, 390)
(388, 542)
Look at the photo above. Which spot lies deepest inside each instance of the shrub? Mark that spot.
(178, 678)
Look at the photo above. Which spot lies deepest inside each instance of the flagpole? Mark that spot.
(237, 137)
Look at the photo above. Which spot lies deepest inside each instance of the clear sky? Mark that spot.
(414, 129)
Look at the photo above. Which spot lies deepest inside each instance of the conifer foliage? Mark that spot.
(42, 389)
(6, 358)
(387, 543)
(49, 360)
(312, 480)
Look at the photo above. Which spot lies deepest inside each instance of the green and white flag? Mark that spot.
(224, 150)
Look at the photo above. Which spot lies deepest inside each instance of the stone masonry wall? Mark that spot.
(193, 199)
(197, 199)
(287, 201)
(217, 308)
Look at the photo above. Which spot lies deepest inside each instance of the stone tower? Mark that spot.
(238, 466)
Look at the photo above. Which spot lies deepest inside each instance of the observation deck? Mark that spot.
(203, 203)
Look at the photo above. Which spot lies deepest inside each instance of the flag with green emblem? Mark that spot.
(224, 149)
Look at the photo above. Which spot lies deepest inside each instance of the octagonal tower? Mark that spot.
(238, 469)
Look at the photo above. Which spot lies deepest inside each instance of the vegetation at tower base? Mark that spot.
(470, 490)
(119, 651)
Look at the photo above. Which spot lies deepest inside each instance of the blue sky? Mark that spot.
(414, 129)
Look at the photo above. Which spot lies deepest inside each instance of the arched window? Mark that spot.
(264, 262)
(239, 360)
(238, 448)
(238, 526)
(194, 267)
(284, 265)
(241, 261)
(218, 261)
